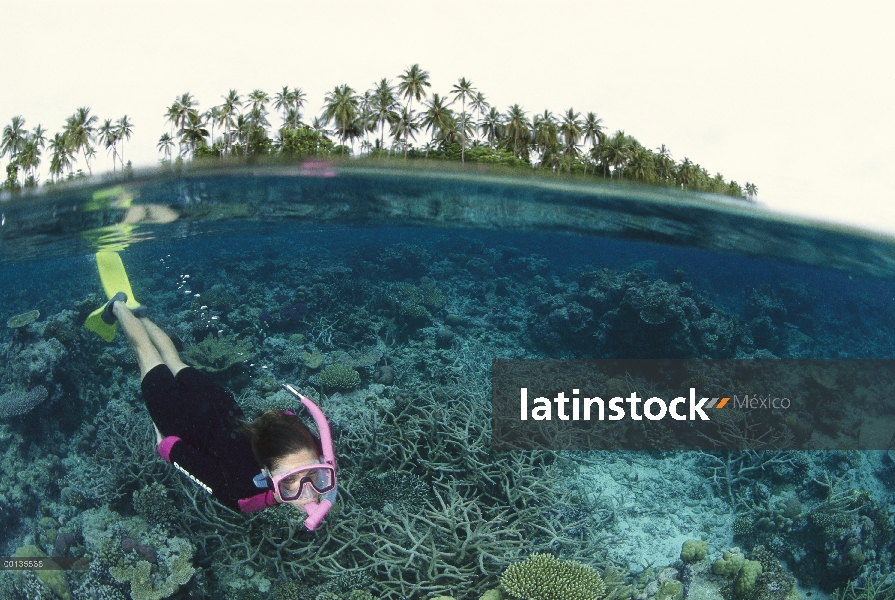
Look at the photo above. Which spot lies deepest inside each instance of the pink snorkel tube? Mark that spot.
(317, 510)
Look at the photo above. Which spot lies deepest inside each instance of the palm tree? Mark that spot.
(13, 138)
(685, 173)
(124, 130)
(282, 101)
(79, 129)
(257, 127)
(61, 158)
(259, 99)
(751, 191)
(545, 136)
(641, 164)
(227, 113)
(463, 90)
(480, 105)
(298, 98)
(293, 119)
(492, 126)
(571, 130)
(28, 157)
(617, 151)
(517, 127)
(438, 118)
(319, 128)
(341, 107)
(180, 113)
(366, 120)
(414, 82)
(165, 144)
(734, 189)
(194, 133)
(664, 163)
(384, 107)
(107, 135)
(405, 126)
(593, 133)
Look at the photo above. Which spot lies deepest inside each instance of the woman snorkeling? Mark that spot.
(202, 431)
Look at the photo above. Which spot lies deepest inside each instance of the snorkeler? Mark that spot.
(202, 431)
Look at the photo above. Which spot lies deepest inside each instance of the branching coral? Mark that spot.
(545, 577)
(218, 352)
(339, 376)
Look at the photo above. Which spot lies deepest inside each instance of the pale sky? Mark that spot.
(796, 97)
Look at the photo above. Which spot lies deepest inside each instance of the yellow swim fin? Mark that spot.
(95, 323)
(114, 280)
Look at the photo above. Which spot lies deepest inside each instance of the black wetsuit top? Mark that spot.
(199, 420)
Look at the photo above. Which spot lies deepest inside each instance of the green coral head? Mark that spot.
(339, 376)
(694, 551)
(544, 577)
(23, 319)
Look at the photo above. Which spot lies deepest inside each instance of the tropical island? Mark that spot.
(392, 120)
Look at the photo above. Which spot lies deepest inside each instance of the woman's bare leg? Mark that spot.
(148, 356)
(164, 345)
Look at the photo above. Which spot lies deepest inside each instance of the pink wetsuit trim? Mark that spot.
(257, 502)
(164, 447)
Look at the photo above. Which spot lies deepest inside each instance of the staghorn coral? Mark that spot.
(545, 577)
(476, 521)
(404, 490)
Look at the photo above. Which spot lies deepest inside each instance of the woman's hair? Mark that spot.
(277, 433)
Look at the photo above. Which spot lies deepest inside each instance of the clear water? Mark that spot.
(417, 279)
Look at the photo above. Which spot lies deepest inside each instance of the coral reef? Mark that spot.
(394, 340)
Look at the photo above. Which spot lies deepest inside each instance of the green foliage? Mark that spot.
(694, 551)
(544, 577)
(12, 178)
(339, 376)
(296, 143)
(218, 352)
(484, 155)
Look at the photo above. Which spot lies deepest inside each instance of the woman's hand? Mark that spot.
(158, 435)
